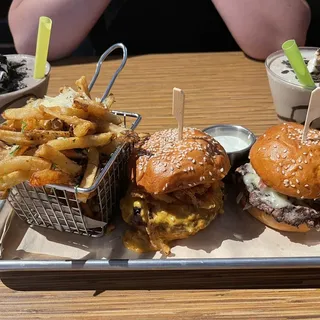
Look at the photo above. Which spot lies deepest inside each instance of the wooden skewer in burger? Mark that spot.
(176, 188)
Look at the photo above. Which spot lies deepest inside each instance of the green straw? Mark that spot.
(294, 56)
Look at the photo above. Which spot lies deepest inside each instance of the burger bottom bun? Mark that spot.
(272, 223)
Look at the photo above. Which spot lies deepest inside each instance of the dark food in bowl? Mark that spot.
(11, 75)
(176, 189)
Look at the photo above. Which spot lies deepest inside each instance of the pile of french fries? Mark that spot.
(61, 140)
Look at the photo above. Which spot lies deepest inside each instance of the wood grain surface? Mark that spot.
(219, 88)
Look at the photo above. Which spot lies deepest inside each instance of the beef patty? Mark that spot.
(295, 212)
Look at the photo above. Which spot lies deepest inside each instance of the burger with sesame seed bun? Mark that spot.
(176, 189)
(282, 181)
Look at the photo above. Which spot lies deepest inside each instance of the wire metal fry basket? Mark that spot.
(57, 207)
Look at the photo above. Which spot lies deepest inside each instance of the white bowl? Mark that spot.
(35, 88)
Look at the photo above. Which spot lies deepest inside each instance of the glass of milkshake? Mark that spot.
(290, 98)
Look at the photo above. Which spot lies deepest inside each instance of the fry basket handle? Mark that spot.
(114, 77)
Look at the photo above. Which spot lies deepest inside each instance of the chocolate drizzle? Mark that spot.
(315, 76)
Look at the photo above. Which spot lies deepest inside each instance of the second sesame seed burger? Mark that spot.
(282, 180)
(176, 189)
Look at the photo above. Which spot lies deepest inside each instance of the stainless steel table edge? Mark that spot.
(160, 264)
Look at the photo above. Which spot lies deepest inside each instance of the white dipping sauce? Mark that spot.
(232, 143)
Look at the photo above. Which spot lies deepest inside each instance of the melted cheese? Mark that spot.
(269, 196)
(64, 99)
(137, 241)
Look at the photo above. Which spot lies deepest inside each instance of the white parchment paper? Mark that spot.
(234, 234)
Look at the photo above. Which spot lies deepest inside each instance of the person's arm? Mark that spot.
(261, 26)
(72, 20)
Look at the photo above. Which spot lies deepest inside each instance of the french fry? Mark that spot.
(74, 112)
(10, 180)
(43, 136)
(47, 176)
(82, 86)
(23, 163)
(110, 100)
(110, 117)
(17, 150)
(57, 158)
(81, 127)
(96, 109)
(82, 142)
(9, 125)
(12, 137)
(90, 173)
(27, 112)
(8, 128)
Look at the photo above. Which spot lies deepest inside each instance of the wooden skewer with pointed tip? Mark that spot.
(313, 112)
(178, 109)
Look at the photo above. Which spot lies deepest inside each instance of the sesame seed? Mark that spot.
(297, 181)
(300, 167)
(278, 169)
(293, 161)
(299, 160)
(283, 172)
(306, 186)
(285, 150)
(305, 161)
(292, 185)
(298, 191)
(210, 173)
(222, 169)
(278, 157)
(193, 161)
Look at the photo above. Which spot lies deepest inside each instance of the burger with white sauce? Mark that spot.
(281, 184)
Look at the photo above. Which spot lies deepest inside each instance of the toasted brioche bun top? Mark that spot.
(286, 164)
(166, 164)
